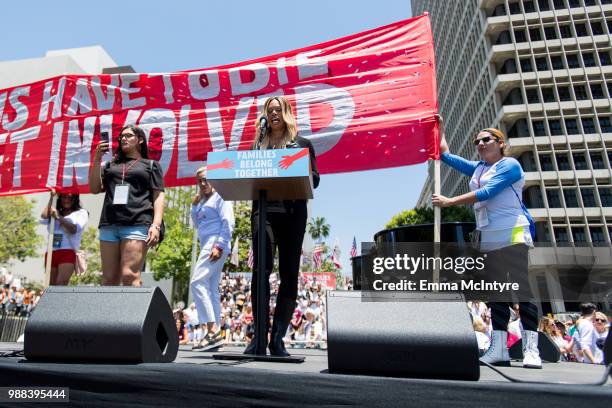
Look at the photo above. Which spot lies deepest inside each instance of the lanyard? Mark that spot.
(480, 175)
(124, 171)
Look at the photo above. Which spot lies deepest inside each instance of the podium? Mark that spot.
(262, 175)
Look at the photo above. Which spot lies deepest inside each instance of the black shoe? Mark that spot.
(282, 316)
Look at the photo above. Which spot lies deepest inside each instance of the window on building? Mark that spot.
(528, 6)
(538, 128)
(563, 161)
(596, 28)
(597, 161)
(573, 3)
(546, 162)
(597, 91)
(580, 29)
(590, 3)
(514, 8)
(579, 234)
(609, 25)
(541, 64)
(543, 5)
(548, 95)
(557, 62)
(519, 36)
(571, 126)
(589, 59)
(604, 58)
(605, 194)
(534, 34)
(580, 162)
(561, 234)
(580, 92)
(526, 65)
(605, 125)
(555, 127)
(597, 235)
(565, 31)
(532, 96)
(564, 94)
(571, 201)
(558, 4)
(588, 197)
(550, 33)
(553, 198)
(572, 61)
(588, 126)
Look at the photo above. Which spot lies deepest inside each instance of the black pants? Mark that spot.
(512, 266)
(284, 231)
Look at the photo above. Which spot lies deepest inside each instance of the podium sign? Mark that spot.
(284, 174)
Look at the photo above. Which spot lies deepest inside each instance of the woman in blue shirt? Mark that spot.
(213, 220)
(496, 184)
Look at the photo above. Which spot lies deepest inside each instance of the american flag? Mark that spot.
(316, 256)
(250, 258)
(354, 248)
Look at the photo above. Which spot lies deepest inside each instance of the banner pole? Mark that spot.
(437, 221)
(194, 255)
(47, 280)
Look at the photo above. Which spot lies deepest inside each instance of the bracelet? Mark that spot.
(218, 247)
(157, 227)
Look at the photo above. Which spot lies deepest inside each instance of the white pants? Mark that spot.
(205, 286)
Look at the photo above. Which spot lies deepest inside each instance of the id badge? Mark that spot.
(482, 218)
(57, 240)
(121, 194)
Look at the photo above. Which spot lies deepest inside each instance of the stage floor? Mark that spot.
(197, 379)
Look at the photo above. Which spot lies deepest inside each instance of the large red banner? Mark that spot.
(366, 101)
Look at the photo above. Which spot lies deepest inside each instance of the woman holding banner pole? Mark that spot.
(496, 185)
(285, 224)
(133, 207)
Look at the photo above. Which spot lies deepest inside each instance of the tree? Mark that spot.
(425, 215)
(318, 228)
(90, 244)
(172, 258)
(20, 240)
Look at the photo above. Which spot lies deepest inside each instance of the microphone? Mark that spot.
(263, 124)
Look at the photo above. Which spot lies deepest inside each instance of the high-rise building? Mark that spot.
(541, 71)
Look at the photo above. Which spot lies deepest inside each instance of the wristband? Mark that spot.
(157, 227)
(218, 247)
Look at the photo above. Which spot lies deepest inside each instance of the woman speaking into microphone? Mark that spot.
(285, 223)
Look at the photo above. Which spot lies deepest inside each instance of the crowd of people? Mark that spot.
(578, 337)
(15, 299)
(307, 328)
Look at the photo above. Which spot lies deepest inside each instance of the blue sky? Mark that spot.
(163, 36)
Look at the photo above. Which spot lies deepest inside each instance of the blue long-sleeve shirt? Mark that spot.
(493, 185)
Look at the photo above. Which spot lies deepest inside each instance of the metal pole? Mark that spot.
(261, 332)
(437, 221)
(47, 281)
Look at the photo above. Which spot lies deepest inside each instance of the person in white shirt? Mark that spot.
(70, 221)
(586, 334)
(602, 326)
(213, 219)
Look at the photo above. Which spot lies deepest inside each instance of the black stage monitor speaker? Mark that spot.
(119, 324)
(401, 334)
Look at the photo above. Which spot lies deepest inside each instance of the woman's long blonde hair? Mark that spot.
(288, 118)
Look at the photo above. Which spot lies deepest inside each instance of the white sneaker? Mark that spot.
(497, 353)
(531, 354)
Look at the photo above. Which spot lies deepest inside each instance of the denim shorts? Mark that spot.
(118, 233)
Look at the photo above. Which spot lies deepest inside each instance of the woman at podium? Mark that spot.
(285, 224)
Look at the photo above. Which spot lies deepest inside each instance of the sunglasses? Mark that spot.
(485, 140)
(600, 320)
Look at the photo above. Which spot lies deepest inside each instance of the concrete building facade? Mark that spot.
(541, 71)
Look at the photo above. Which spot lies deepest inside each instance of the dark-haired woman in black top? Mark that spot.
(133, 206)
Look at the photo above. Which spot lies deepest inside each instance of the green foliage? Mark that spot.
(172, 258)
(90, 244)
(318, 228)
(242, 231)
(19, 227)
(426, 215)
